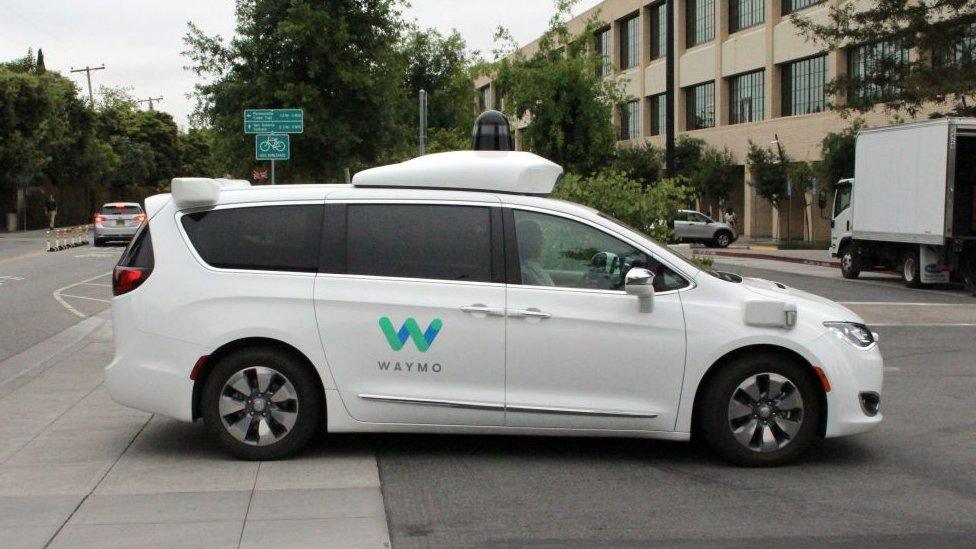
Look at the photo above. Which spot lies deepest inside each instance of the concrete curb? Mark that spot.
(770, 257)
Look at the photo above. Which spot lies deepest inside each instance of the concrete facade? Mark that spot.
(769, 46)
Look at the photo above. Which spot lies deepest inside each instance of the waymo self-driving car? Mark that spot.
(448, 294)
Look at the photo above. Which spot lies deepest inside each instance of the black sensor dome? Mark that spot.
(492, 133)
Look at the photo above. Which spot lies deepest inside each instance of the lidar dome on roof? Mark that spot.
(494, 171)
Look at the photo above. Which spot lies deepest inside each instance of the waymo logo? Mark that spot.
(410, 330)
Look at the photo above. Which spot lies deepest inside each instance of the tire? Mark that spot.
(736, 432)
(283, 419)
(911, 273)
(98, 243)
(722, 239)
(850, 262)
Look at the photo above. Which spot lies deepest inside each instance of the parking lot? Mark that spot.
(79, 470)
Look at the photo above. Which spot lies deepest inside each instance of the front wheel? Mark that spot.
(262, 404)
(850, 262)
(722, 240)
(759, 411)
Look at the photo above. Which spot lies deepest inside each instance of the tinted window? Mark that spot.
(419, 241)
(112, 209)
(269, 238)
(140, 251)
(555, 251)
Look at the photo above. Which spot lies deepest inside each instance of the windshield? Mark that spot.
(842, 198)
(674, 254)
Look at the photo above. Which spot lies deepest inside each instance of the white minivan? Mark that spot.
(447, 294)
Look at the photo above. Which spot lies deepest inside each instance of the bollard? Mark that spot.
(47, 240)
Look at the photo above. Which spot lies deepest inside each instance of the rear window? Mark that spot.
(420, 241)
(120, 209)
(139, 253)
(266, 238)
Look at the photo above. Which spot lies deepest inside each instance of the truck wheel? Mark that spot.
(760, 410)
(850, 262)
(722, 239)
(910, 271)
(262, 404)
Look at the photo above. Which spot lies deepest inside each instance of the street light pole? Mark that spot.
(669, 118)
(423, 122)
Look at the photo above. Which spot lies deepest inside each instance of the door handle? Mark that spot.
(531, 312)
(481, 309)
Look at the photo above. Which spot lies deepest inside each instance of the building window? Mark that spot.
(700, 19)
(659, 113)
(789, 6)
(958, 50)
(630, 43)
(659, 30)
(745, 13)
(603, 52)
(700, 100)
(484, 98)
(874, 71)
(804, 86)
(746, 97)
(630, 120)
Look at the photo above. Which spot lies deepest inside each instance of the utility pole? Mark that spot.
(669, 118)
(423, 122)
(88, 71)
(151, 100)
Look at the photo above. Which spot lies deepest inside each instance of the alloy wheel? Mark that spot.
(765, 412)
(258, 406)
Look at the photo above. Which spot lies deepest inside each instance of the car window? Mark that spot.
(681, 216)
(267, 238)
(555, 251)
(843, 199)
(698, 217)
(419, 241)
(120, 209)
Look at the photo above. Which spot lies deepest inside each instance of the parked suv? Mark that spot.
(692, 226)
(117, 221)
(447, 294)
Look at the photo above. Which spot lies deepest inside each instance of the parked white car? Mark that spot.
(446, 294)
(692, 226)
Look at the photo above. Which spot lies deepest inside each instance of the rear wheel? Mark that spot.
(98, 242)
(760, 410)
(911, 273)
(262, 404)
(850, 262)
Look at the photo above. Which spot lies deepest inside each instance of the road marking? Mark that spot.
(19, 257)
(97, 284)
(76, 312)
(90, 298)
(891, 369)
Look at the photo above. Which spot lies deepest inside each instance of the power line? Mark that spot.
(88, 71)
(151, 101)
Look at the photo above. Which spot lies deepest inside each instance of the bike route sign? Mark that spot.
(274, 121)
(272, 147)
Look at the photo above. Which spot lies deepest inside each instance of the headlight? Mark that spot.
(856, 334)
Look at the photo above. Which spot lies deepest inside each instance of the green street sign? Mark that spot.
(274, 121)
(272, 147)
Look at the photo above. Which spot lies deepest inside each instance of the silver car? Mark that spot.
(693, 226)
(118, 221)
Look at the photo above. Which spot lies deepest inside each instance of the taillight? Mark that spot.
(140, 218)
(99, 218)
(126, 279)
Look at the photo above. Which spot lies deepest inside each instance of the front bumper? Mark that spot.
(855, 377)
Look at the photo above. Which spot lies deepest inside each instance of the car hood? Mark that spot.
(809, 305)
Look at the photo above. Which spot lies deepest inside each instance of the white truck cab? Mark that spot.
(840, 224)
(447, 294)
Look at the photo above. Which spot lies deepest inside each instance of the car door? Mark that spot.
(681, 225)
(410, 307)
(579, 352)
(699, 226)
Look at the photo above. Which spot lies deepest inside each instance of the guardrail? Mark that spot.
(67, 237)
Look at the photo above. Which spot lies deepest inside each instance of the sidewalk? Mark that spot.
(79, 470)
(820, 258)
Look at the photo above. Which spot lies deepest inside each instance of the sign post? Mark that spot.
(272, 128)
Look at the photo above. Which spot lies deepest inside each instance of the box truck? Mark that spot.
(911, 205)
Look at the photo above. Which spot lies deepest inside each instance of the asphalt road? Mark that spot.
(29, 279)
(908, 483)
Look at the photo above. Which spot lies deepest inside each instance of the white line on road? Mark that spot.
(97, 284)
(57, 294)
(89, 298)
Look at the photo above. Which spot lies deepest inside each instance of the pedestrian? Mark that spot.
(730, 217)
(51, 207)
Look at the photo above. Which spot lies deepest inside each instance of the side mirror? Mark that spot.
(640, 282)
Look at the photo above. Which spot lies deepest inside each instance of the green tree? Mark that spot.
(441, 66)
(837, 155)
(687, 154)
(557, 90)
(768, 172)
(336, 60)
(39, 65)
(714, 175)
(642, 162)
(942, 32)
(196, 155)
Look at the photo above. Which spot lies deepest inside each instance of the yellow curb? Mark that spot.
(764, 247)
(19, 257)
